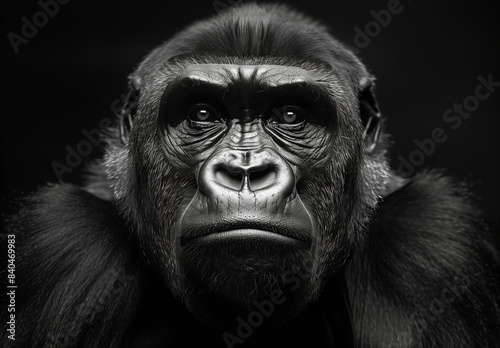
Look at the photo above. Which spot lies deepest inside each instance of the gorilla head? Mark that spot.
(250, 154)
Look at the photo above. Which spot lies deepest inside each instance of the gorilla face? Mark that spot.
(244, 173)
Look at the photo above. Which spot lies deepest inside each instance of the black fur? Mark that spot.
(425, 273)
(76, 271)
(428, 274)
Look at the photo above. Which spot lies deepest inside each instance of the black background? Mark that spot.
(426, 59)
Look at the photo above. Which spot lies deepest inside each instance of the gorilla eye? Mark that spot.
(203, 115)
(288, 115)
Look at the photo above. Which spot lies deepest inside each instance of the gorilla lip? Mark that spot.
(246, 232)
(248, 235)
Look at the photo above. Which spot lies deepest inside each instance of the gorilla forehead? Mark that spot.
(251, 75)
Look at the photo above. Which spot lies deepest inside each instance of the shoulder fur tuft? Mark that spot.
(428, 274)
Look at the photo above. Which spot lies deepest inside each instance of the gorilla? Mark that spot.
(244, 198)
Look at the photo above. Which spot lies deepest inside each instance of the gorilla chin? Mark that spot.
(239, 260)
(226, 276)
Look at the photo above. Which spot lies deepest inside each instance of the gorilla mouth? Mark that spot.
(231, 232)
(248, 235)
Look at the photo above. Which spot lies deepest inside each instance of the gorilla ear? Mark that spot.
(370, 114)
(129, 108)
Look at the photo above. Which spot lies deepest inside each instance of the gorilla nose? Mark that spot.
(242, 177)
(246, 171)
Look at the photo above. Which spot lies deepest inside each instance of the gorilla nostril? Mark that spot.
(261, 178)
(230, 178)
